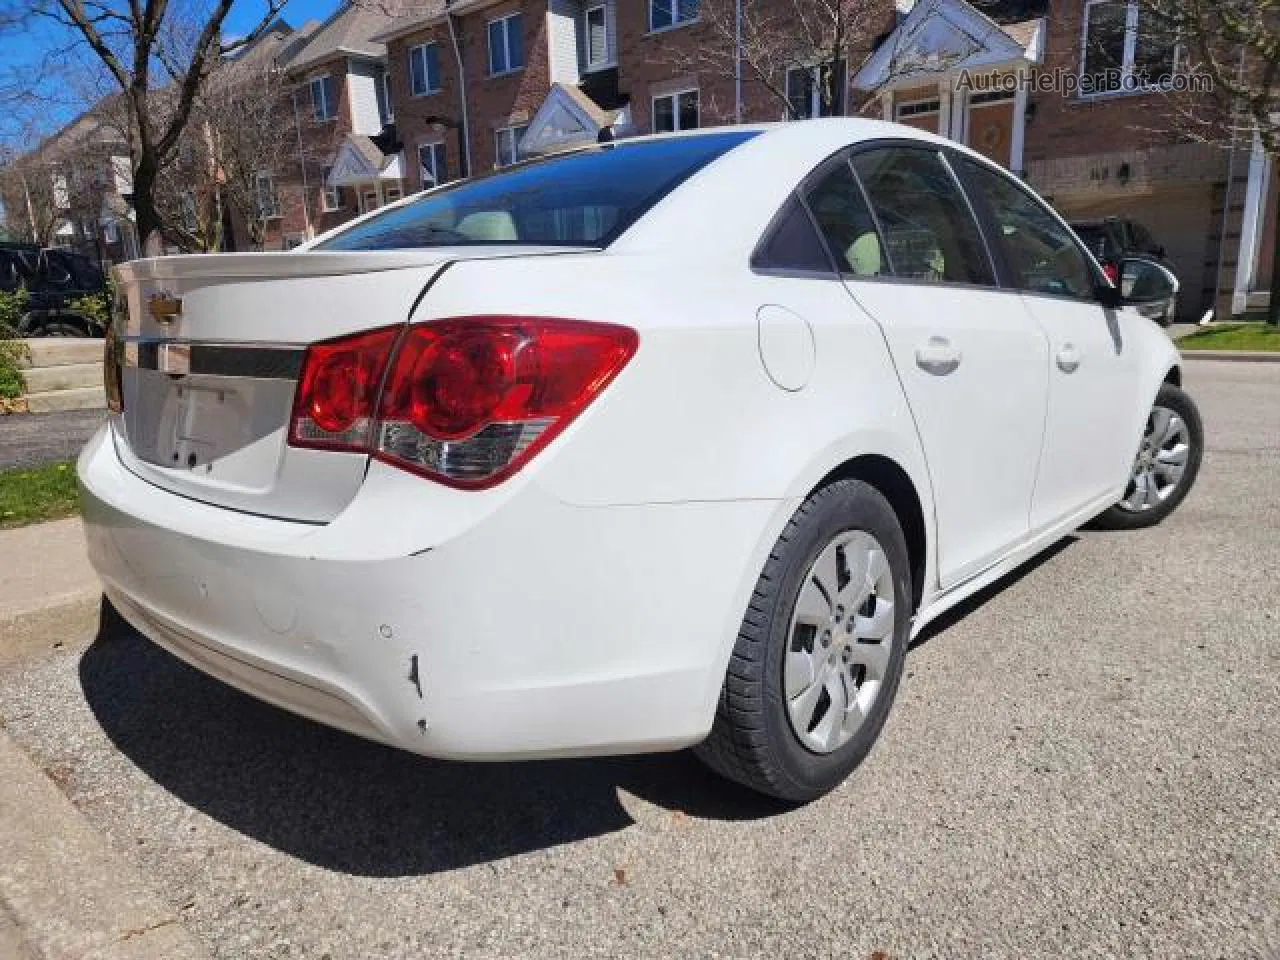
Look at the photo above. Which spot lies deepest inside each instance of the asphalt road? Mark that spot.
(32, 439)
(1085, 763)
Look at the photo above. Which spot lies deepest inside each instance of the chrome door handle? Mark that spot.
(1068, 358)
(938, 357)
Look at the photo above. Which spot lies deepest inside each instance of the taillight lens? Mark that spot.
(337, 394)
(466, 401)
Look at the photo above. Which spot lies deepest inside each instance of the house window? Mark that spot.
(1126, 48)
(433, 169)
(324, 104)
(815, 91)
(507, 142)
(918, 108)
(675, 111)
(111, 232)
(330, 197)
(187, 212)
(664, 14)
(597, 37)
(424, 69)
(385, 112)
(506, 44)
(265, 198)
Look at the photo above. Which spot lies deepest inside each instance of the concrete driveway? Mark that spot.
(1084, 762)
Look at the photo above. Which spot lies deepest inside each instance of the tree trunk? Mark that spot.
(144, 206)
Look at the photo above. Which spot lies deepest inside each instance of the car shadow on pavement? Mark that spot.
(967, 606)
(349, 805)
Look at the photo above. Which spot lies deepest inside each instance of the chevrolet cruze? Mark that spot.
(659, 443)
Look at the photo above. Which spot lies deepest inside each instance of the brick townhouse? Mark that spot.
(998, 79)
(395, 99)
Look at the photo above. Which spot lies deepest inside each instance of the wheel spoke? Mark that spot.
(812, 605)
(830, 730)
(873, 656)
(802, 705)
(877, 626)
(799, 673)
(826, 572)
(1151, 490)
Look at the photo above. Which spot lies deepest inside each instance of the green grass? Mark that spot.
(1233, 336)
(45, 493)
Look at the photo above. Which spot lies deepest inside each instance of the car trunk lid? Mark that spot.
(212, 348)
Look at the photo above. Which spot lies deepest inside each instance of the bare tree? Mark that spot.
(145, 47)
(821, 38)
(1235, 45)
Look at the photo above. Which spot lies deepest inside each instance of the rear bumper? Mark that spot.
(534, 628)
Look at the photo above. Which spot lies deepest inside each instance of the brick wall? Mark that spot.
(417, 117)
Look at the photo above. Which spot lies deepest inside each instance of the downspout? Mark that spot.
(302, 164)
(465, 157)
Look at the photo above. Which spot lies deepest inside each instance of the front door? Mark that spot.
(1092, 372)
(970, 360)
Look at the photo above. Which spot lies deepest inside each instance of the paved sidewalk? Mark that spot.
(48, 591)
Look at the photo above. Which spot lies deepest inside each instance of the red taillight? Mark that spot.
(337, 395)
(466, 401)
(1111, 271)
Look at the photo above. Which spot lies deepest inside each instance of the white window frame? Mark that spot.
(607, 61)
(1131, 21)
(506, 43)
(511, 132)
(330, 109)
(431, 145)
(927, 107)
(110, 232)
(676, 23)
(258, 178)
(385, 81)
(815, 91)
(330, 197)
(426, 74)
(674, 97)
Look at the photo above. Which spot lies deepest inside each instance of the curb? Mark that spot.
(38, 631)
(48, 593)
(1236, 356)
(63, 893)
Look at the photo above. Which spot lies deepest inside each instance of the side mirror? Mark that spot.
(1109, 297)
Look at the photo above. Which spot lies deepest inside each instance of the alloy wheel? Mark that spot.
(1161, 462)
(839, 641)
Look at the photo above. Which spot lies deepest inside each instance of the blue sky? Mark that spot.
(57, 101)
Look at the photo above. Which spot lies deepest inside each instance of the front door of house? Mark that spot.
(991, 125)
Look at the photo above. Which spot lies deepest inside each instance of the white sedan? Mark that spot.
(664, 442)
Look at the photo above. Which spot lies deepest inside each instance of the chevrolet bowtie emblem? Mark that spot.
(164, 307)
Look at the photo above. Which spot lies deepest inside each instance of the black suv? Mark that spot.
(52, 278)
(1114, 238)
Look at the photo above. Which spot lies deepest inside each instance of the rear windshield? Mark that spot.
(582, 199)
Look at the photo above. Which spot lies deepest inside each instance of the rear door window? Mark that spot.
(841, 212)
(929, 231)
(586, 198)
(1041, 253)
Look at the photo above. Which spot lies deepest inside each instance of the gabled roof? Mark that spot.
(945, 36)
(566, 118)
(348, 32)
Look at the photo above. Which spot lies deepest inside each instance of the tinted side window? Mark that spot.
(791, 243)
(1041, 253)
(846, 223)
(927, 225)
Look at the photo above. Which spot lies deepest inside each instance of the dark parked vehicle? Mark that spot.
(1122, 246)
(53, 279)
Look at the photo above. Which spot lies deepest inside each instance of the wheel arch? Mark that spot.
(895, 485)
(1174, 375)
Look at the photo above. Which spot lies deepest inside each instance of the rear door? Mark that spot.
(970, 360)
(1092, 369)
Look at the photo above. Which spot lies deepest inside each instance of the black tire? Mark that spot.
(1118, 517)
(752, 740)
